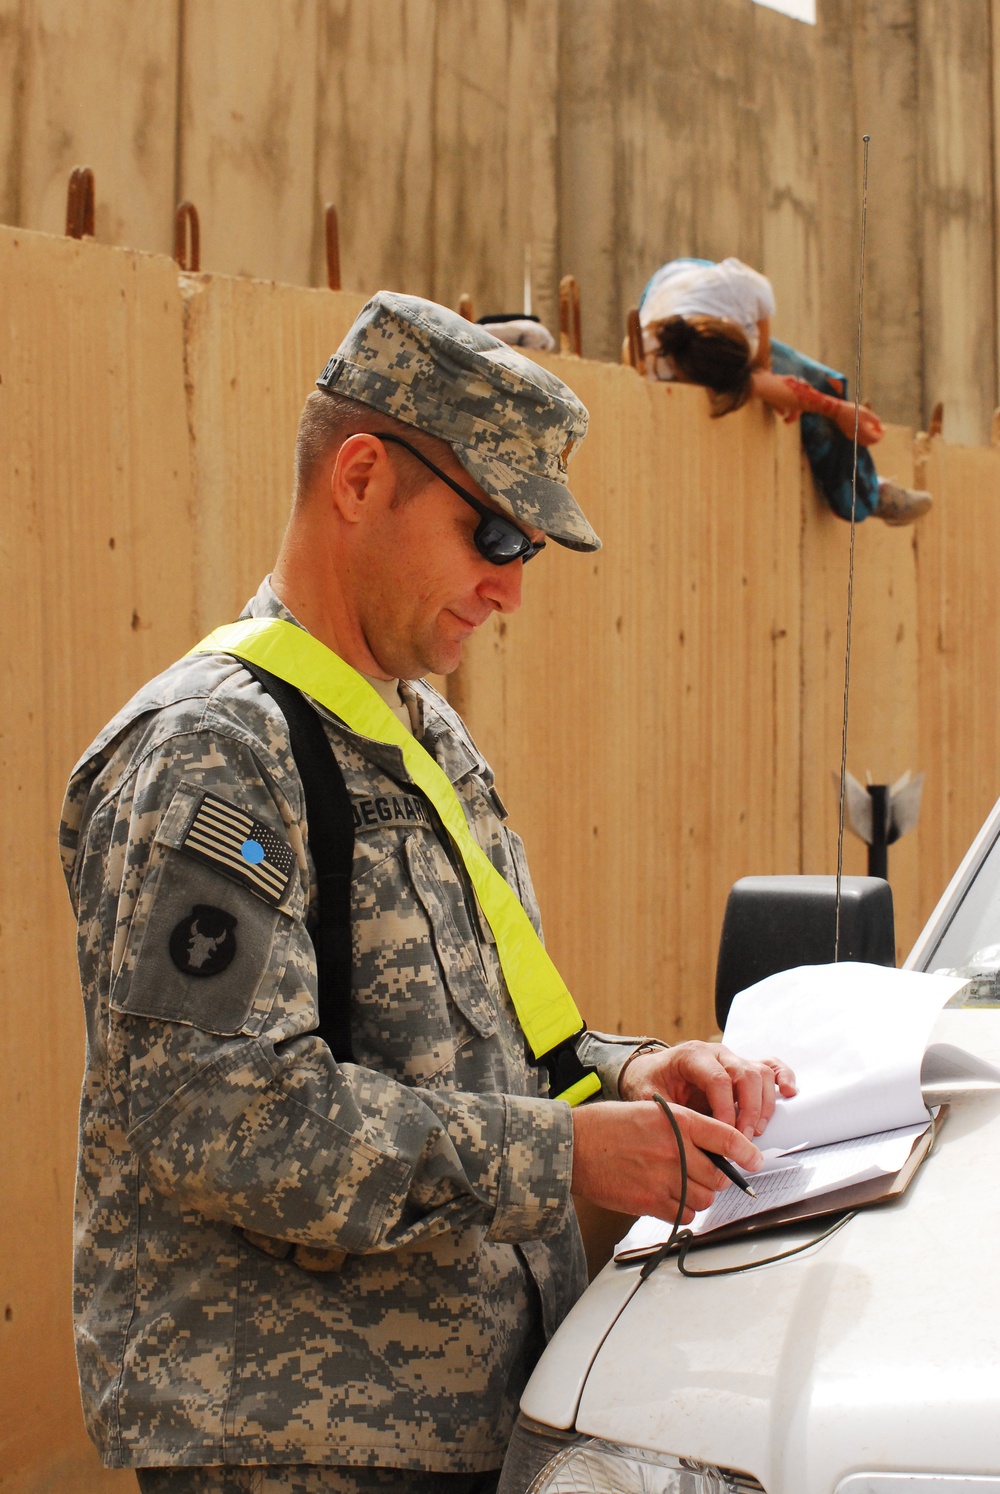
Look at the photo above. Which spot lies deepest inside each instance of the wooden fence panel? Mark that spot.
(72, 61)
(641, 714)
(253, 352)
(248, 134)
(95, 505)
(882, 717)
(956, 550)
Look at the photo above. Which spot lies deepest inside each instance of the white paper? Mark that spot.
(950, 1073)
(855, 1034)
(810, 1173)
(785, 1180)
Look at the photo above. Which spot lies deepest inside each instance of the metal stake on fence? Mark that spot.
(80, 203)
(187, 237)
(332, 228)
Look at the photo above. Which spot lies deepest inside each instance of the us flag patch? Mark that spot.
(235, 843)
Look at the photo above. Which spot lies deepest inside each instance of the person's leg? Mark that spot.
(278, 1478)
(829, 452)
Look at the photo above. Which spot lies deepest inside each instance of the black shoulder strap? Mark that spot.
(331, 841)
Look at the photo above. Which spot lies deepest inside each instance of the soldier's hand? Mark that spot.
(709, 1078)
(625, 1157)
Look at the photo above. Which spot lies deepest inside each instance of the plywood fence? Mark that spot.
(663, 716)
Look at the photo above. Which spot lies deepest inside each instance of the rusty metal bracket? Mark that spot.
(80, 203)
(187, 237)
(332, 228)
(570, 340)
(636, 352)
(465, 307)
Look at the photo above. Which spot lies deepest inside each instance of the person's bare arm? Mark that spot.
(791, 396)
(773, 390)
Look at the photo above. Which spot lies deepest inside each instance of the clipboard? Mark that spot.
(848, 1199)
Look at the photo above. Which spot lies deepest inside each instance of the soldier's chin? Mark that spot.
(443, 657)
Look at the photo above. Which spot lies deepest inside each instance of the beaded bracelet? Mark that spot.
(648, 1045)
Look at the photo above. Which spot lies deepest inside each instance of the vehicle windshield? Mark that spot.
(970, 942)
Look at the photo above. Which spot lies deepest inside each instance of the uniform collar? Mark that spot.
(450, 749)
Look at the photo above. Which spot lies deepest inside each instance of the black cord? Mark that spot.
(676, 1233)
(687, 1239)
(684, 1239)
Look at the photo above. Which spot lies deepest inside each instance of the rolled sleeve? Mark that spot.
(608, 1054)
(536, 1166)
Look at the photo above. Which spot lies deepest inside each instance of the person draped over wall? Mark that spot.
(709, 324)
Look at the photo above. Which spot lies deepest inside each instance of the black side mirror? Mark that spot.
(776, 923)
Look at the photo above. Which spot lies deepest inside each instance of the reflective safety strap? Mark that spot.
(545, 1009)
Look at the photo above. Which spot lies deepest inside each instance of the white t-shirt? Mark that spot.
(728, 289)
(389, 691)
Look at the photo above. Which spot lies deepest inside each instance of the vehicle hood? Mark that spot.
(878, 1350)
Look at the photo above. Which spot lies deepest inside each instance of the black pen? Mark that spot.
(731, 1172)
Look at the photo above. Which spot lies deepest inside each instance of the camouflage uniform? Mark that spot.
(279, 1259)
(209, 1112)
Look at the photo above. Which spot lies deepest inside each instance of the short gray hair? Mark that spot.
(325, 424)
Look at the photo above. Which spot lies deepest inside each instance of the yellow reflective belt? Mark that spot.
(545, 1009)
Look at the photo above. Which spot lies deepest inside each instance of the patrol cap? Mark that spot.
(511, 423)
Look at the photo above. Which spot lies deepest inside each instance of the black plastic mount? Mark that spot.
(776, 923)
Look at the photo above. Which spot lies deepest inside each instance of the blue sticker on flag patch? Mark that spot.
(240, 847)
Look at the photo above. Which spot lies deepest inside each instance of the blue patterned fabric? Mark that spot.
(830, 452)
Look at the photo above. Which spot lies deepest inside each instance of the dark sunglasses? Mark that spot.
(497, 538)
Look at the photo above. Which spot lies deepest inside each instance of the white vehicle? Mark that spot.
(869, 1364)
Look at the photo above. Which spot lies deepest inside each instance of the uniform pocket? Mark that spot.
(455, 945)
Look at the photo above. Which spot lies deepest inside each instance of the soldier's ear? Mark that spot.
(362, 477)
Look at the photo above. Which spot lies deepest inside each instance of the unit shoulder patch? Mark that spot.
(204, 942)
(241, 847)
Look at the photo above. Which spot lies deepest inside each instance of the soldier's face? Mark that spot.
(427, 587)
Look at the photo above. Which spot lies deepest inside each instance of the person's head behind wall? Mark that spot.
(710, 351)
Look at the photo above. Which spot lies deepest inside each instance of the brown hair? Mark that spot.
(710, 351)
(325, 424)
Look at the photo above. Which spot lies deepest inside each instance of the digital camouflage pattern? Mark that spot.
(511, 423)
(216, 1133)
(301, 1478)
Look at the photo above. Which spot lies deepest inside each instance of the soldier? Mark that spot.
(302, 1264)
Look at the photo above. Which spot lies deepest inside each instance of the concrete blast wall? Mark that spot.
(663, 716)
(607, 135)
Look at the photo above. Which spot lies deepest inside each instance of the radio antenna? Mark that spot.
(850, 572)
